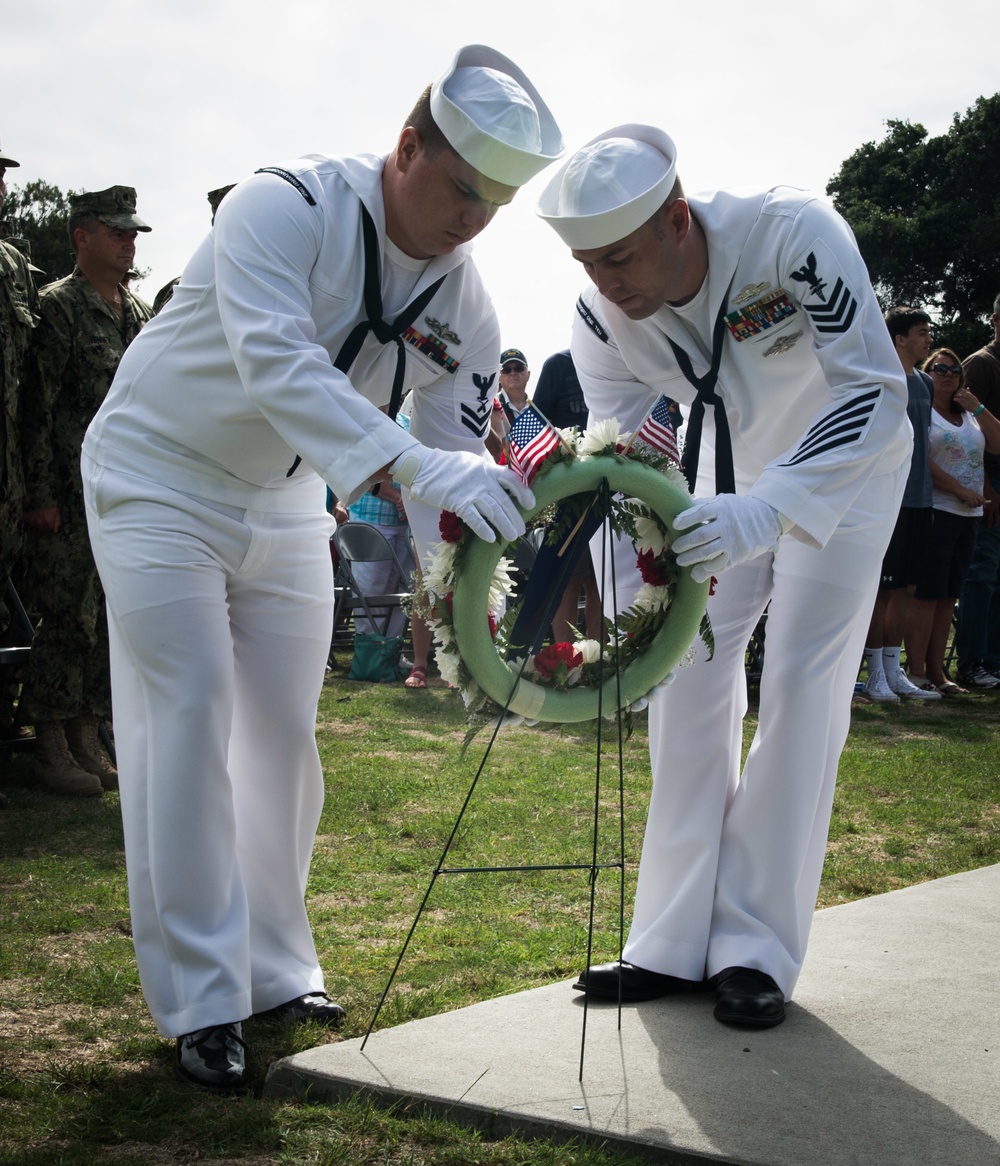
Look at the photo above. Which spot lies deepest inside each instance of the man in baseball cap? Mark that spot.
(755, 309)
(511, 400)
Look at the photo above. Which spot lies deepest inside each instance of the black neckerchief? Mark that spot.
(725, 478)
(384, 331)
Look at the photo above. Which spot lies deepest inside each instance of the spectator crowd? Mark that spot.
(938, 601)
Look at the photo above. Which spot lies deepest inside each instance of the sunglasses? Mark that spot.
(513, 367)
(944, 369)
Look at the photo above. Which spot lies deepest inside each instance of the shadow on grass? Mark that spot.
(142, 1113)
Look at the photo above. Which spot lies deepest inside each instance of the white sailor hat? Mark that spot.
(610, 186)
(494, 118)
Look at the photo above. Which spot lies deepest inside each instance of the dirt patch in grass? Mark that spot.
(41, 1034)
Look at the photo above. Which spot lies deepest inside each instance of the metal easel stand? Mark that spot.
(593, 866)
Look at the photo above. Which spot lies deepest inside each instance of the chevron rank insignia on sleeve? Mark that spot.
(831, 309)
(845, 424)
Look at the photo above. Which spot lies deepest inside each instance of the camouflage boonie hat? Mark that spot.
(114, 206)
(6, 161)
(216, 196)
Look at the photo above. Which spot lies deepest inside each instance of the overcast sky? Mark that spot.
(177, 97)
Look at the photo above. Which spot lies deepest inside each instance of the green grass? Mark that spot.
(84, 1077)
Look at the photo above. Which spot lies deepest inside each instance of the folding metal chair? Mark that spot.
(360, 542)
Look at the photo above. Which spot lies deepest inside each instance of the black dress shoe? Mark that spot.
(312, 1006)
(601, 980)
(745, 996)
(213, 1057)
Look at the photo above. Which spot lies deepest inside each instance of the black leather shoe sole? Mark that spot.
(601, 981)
(748, 998)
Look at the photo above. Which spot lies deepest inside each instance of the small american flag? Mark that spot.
(657, 430)
(532, 439)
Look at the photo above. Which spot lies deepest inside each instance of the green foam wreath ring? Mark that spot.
(581, 703)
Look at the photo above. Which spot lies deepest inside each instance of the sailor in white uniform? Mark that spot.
(327, 289)
(755, 310)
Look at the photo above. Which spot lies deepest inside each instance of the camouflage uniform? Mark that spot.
(77, 346)
(18, 316)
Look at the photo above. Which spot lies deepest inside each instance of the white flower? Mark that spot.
(501, 586)
(590, 650)
(600, 436)
(448, 665)
(650, 598)
(439, 578)
(651, 536)
(444, 633)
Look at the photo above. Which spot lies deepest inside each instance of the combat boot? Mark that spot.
(85, 745)
(55, 767)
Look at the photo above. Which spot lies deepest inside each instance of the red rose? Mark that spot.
(450, 526)
(651, 570)
(493, 624)
(549, 660)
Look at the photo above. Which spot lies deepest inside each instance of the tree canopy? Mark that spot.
(38, 212)
(926, 213)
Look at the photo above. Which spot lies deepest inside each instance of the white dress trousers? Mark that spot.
(220, 623)
(731, 863)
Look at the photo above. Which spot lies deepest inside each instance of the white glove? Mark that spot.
(478, 491)
(737, 527)
(657, 690)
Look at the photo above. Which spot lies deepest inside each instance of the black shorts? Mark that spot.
(949, 552)
(907, 548)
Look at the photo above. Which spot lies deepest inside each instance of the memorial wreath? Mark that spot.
(469, 581)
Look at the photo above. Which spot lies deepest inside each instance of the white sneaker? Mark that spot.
(902, 686)
(877, 688)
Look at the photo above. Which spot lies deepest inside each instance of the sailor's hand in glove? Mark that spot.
(728, 529)
(480, 492)
(638, 705)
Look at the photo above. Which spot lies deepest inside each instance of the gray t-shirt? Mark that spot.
(920, 391)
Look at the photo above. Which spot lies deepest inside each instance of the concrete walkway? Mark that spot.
(889, 1055)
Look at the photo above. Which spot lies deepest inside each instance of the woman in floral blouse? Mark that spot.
(961, 428)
